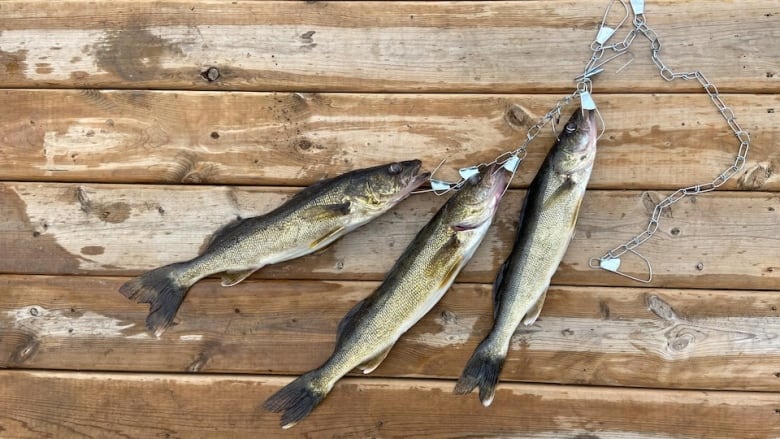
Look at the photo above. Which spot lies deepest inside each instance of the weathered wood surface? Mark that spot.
(61, 404)
(293, 139)
(718, 240)
(97, 185)
(387, 46)
(691, 339)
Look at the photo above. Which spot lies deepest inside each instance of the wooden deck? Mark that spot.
(121, 151)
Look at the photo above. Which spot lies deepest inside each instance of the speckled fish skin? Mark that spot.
(544, 232)
(306, 223)
(417, 281)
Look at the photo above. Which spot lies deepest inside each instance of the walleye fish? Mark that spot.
(307, 222)
(545, 229)
(417, 281)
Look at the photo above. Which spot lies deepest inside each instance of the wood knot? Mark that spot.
(681, 338)
(651, 199)
(199, 362)
(517, 117)
(681, 342)
(211, 74)
(660, 308)
(448, 317)
(25, 351)
(756, 177)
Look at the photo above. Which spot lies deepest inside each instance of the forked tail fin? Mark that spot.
(295, 400)
(162, 290)
(482, 370)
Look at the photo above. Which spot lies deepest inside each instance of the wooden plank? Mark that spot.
(292, 139)
(720, 240)
(34, 404)
(694, 339)
(388, 46)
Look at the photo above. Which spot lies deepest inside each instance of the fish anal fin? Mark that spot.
(371, 365)
(325, 211)
(230, 278)
(317, 243)
(535, 310)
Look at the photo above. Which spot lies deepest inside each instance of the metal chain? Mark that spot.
(518, 154)
(593, 67)
(640, 27)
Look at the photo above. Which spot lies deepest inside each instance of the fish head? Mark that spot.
(577, 141)
(478, 199)
(382, 187)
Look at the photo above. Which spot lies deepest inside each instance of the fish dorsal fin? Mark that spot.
(230, 278)
(326, 211)
(497, 287)
(223, 231)
(348, 317)
(535, 310)
(371, 364)
(333, 234)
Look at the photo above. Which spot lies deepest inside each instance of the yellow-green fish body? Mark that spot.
(309, 221)
(417, 281)
(544, 232)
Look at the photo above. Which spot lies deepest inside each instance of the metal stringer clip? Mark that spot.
(612, 264)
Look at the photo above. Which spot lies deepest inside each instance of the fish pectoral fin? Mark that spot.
(230, 278)
(328, 236)
(535, 310)
(371, 365)
(448, 254)
(452, 272)
(565, 187)
(326, 211)
(497, 287)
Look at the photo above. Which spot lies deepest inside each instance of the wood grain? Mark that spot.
(499, 46)
(65, 404)
(691, 339)
(293, 139)
(133, 130)
(719, 240)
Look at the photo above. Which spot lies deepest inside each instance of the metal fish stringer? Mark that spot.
(610, 261)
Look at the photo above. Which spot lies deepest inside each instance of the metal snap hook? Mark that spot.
(612, 264)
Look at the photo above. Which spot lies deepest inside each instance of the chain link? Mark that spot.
(521, 151)
(640, 27)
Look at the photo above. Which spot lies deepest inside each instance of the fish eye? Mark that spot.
(571, 127)
(394, 169)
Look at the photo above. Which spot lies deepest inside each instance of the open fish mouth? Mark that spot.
(414, 183)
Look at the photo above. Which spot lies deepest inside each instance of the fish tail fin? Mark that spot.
(163, 290)
(482, 370)
(295, 400)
